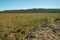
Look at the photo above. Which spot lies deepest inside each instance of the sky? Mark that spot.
(27, 4)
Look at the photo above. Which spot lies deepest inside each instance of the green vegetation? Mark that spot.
(34, 10)
(17, 26)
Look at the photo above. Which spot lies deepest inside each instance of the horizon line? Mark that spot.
(29, 8)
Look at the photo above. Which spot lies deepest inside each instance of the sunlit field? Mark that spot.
(18, 25)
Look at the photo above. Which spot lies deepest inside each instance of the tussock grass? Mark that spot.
(24, 22)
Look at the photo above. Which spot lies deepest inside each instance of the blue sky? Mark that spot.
(27, 4)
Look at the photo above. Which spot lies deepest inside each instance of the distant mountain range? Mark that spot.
(33, 10)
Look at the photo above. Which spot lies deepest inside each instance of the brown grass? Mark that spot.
(24, 22)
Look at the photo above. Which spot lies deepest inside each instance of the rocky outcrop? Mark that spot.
(46, 32)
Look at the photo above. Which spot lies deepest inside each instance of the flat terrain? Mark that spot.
(18, 26)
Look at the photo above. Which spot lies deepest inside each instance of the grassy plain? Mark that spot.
(17, 26)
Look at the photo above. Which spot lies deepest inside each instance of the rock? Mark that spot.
(57, 20)
(46, 32)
